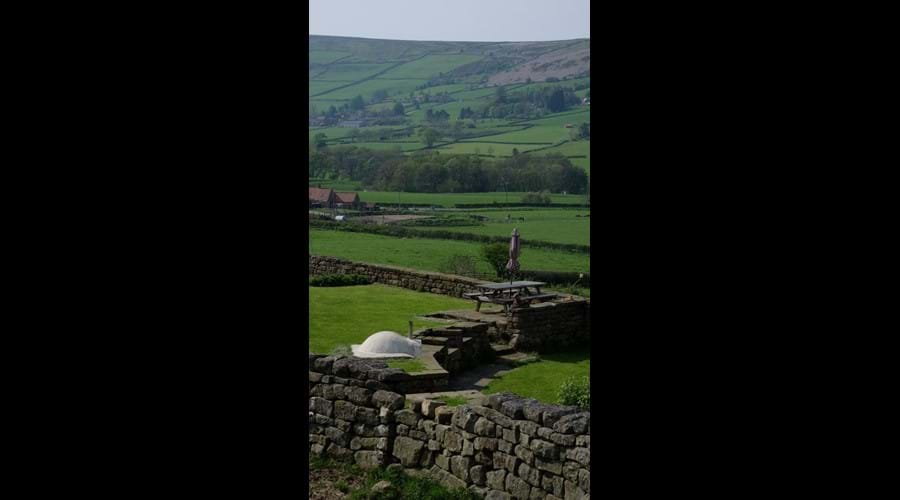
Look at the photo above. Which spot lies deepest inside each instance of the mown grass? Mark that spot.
(407, 365)
(541, 380)
(431, 255)
(343, 316)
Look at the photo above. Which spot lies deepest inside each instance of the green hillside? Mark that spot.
(490, 99)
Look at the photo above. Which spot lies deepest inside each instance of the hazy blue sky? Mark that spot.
(452, 20)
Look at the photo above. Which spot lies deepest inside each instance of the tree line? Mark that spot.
(432, 172)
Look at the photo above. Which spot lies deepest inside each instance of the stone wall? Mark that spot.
(351, 409)
(512, 448)
(562, 323)
(421, 281)
(550, 325)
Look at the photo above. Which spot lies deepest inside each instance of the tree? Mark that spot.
(585, 130)
(557, 101)
(497, 255)
(501, 95)
(319, 140)
(332, 111)
(429, 136)
(357, 103)
(398, 109)
(379, 95)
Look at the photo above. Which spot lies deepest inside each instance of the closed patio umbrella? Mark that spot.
(513, 265)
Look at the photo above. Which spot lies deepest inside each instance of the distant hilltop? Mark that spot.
(490, 63)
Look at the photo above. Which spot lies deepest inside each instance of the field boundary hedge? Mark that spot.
(503, 205)
(406, 232)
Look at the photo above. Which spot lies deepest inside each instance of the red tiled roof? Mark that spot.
(319, 194)
(345, 197)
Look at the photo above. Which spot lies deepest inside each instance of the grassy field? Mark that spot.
(574, 116)
(367, 88)
(546, 134)
(560, 226)
(318, 86)
(541, 380)
(486, 148)
(430, 65)
(325, 56)
(450, 199)
(330, 132)
(342, 316)
(430, 255)
(352, 72)
(402, 146)
(578, 148)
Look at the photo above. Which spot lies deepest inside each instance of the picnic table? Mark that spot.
(508, 294)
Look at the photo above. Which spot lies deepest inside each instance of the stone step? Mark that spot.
(512, 359)
(501, 349)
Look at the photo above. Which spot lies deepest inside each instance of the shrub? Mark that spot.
(497, 255)
(542, 198)
(576, 391)
(463, 265)
(339, 280)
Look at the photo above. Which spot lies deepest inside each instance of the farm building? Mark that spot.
(329, 198)
(321, 198)
(346, 200)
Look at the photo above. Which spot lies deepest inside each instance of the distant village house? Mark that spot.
(329, 198)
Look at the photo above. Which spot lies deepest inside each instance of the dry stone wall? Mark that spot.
(550, 325)
(421, 281)
(512, 448)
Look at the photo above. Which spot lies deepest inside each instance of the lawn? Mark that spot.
(541, 380)
(450, 199)
(430, 255)
(558, 226)
(341, 316)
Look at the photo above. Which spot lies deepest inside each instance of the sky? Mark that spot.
(452, 20)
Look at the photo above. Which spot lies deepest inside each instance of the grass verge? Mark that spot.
(541, 380)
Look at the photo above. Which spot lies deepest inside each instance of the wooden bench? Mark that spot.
(480, 298)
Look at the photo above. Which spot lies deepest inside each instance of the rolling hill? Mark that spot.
(479, 95)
